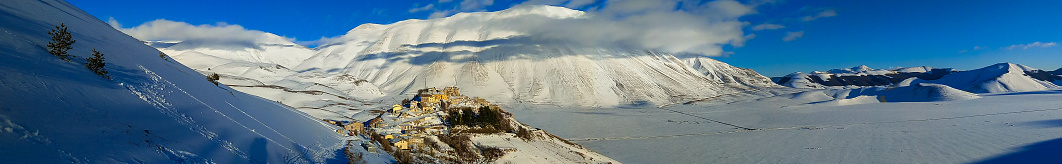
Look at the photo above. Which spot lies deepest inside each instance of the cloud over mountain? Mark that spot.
(220, 33)
(674, 26)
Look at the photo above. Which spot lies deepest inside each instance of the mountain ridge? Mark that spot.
(996, 78)
(465, 50)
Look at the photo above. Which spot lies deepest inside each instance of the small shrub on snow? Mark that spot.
(492, 153)
(213, 78)
(61, 42)
(95, 63)
(404, 157)
(462, 145)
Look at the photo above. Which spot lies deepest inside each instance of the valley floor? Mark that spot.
(1015, 127)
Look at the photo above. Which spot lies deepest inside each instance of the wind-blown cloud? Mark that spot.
(464, 6)
(114, 23)
(472, 5)
(565, 3)
(767, 26)
(975, 48)
(823, 14)
(220, 33)
(1032, 45)
(790, 36)
(698, 29)
(673, 26)
(422, 8)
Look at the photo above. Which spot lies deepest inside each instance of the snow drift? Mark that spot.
(154, 110)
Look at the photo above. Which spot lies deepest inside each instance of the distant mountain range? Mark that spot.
(1003, 77)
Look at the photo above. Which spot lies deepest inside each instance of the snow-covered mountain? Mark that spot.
(465, 50)
(152, 110)
(859, 76)
(860, 85)
(999, 78)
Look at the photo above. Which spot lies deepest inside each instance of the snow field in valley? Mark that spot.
(994, 128)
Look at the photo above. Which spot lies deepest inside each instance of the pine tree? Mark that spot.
(95, 63)
(213, 78)
(61, 42)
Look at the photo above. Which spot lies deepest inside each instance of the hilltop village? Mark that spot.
(443, 126)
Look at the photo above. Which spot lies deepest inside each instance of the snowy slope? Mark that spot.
(152, 111)
(323, 95)
(278, 51)
(465, 51)
(501, 65)
(998, 78)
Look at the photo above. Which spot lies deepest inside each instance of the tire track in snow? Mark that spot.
(801, 127)
(720, 122)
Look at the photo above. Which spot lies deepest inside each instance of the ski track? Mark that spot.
(155, 96)
(318, 155)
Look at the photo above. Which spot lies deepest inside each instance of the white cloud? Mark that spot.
(565, 3)
(221, 33)
(790, 36)
(475, 5)
(823, 14)
(579, 3)
(975, 48)
(464, 6)
(696, 29)
(750, 36)
(544, 2)
(440, 14)
(114, 23)
(1032, 45)
(423, 8)
(683, 27)
(766, 26)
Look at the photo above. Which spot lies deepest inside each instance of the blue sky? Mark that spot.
(782, 36)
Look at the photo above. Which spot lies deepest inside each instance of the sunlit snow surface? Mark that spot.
(151, 111)
(1008, 127)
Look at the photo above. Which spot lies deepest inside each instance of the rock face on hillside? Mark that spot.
(488, 62)
(442, 125)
